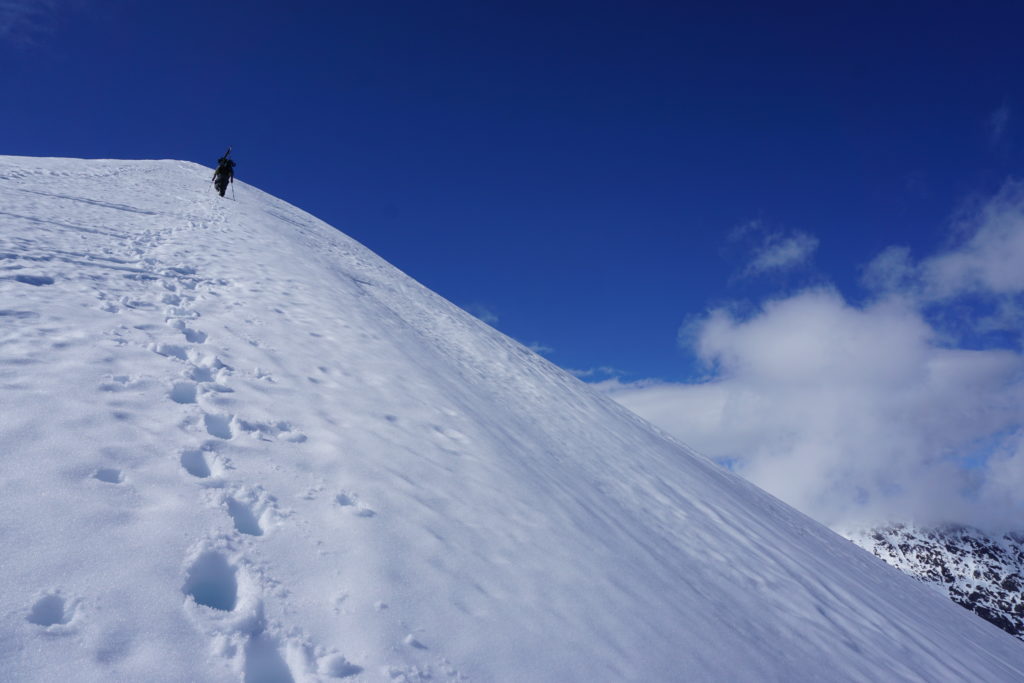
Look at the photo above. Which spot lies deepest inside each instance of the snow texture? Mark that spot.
(238, 446)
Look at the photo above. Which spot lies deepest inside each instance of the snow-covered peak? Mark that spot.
(237, 445)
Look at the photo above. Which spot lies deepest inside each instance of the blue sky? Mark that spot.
(575, 169)
(652, 188)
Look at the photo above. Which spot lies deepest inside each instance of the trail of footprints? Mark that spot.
(223, 588)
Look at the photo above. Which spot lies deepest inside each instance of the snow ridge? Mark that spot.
(238, 446)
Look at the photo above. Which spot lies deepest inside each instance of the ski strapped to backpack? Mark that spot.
(224, 174)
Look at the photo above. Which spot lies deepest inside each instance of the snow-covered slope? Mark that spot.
(983, 573)
(236, 445)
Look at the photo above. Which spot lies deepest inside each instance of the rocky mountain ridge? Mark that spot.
(982, 573)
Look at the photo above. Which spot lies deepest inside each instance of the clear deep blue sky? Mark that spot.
(574, 168)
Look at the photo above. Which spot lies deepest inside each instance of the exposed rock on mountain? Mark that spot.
(978, 571)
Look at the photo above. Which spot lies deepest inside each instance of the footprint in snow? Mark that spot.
(267, 431)
(213, 582)
(51, 610)
(180, 270)
(172, 312)
(34, 280)
(140, 277)
(109, 475)
(351, 502)
(204, 463)
(183, 392)
(411, 641)
(244, 518)
(251, 510)
(115, 383)
(191, 335)
(218, 425)
(337, 666)
(263, 661)
(135, 303)
(194, 462)
(268, 659)
(211, 363)
(200, 374)
(170, 351)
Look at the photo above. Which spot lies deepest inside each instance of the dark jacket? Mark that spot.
(226, 169)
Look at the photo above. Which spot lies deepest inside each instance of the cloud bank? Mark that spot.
(906, 407)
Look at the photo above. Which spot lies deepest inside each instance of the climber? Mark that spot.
(224, 174)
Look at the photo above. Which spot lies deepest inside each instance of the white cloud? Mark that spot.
(482, 313)
(979, 277)
(744, 230)
(611, 374)
(542, 349)
(990, 259)
(874, 412)
(997, 122)
(781, 252)
(890, 271)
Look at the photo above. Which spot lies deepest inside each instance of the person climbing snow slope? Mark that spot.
(224, 174)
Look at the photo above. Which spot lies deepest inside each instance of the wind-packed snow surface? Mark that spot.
(236, 445)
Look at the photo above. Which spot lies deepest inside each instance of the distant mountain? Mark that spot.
(985, 574)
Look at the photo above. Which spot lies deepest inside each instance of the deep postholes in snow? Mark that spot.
(212, 582)
(248, 449)
(109, 475)
(183, 392)
(194, 462)
(50, 610)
